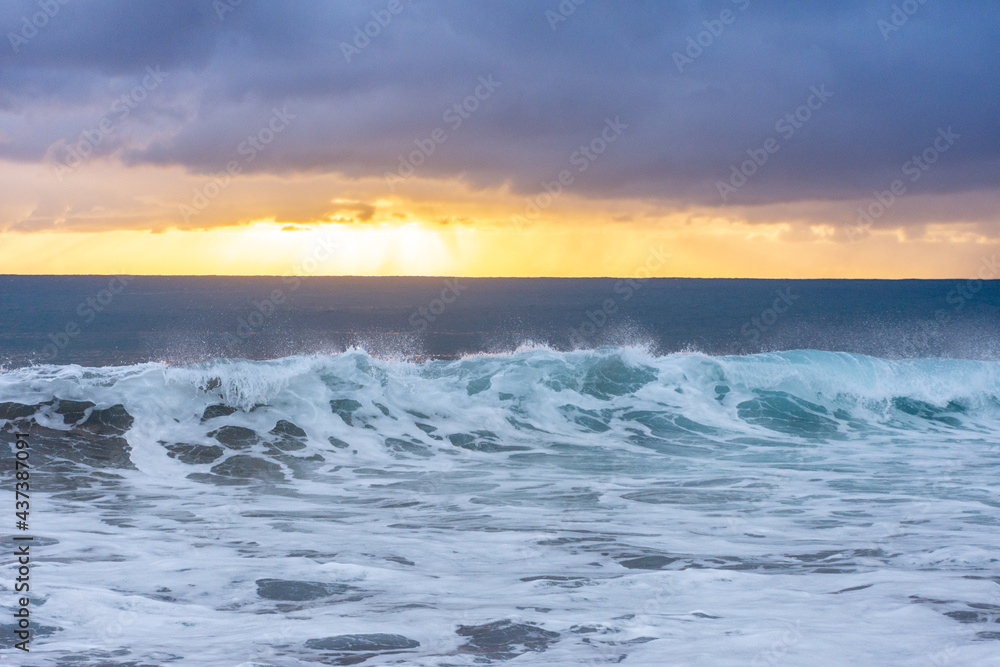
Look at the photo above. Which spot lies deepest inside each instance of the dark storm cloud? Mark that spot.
(692, 111)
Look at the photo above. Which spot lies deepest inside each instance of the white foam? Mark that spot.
(768, 528)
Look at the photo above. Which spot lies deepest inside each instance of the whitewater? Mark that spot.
(608, 506)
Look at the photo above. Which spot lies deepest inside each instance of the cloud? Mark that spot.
(359, 210)
(688, 125)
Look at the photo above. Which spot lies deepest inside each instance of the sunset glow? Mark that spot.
(150, 173)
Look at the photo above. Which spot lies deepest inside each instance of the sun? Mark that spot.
(389, 248)
(324, 248)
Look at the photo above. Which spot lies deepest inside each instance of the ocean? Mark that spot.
(398, 471)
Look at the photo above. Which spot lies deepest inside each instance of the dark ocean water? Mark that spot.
(187, 319)
(261, 472)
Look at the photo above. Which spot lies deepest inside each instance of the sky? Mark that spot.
(725, 138)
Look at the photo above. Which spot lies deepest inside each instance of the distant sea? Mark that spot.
(430, 471)
(131, 320)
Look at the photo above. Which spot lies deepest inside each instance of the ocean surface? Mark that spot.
(712, 472)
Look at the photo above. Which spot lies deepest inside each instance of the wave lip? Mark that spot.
(527, 400)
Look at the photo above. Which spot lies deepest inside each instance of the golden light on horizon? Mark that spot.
(107, 218)
(416, 248)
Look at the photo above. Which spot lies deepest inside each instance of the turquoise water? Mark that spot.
(605, 506)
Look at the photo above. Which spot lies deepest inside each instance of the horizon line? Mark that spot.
(456, 277)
